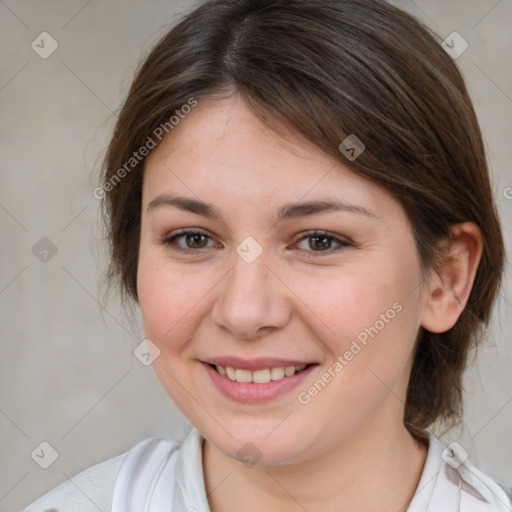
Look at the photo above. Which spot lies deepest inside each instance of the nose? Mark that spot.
(252, 300)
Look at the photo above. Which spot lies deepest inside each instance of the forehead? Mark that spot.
(226, 132)
(221, 150)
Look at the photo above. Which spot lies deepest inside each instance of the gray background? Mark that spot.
(68, 375)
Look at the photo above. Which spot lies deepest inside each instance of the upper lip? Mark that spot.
(258, 363)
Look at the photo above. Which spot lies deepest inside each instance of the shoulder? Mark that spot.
(462, 484)
(89, 490)
(92, 489)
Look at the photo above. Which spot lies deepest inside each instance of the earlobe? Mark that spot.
(451, 283)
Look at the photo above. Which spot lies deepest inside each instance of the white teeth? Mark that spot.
(259, 376)
(243, 375)
(289, 371)
(276, 373)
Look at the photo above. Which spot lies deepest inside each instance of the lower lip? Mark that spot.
(250, 392)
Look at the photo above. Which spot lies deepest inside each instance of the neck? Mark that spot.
(365, 473)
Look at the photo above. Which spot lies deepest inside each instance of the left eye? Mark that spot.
(321, 241)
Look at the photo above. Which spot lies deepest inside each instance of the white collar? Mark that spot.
(149, 469)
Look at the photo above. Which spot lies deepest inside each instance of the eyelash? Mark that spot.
(170, 241)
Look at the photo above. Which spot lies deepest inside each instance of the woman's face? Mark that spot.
(254, 288)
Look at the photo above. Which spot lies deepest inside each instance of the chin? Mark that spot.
(258, 443)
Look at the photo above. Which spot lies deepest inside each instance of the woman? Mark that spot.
(297, 197)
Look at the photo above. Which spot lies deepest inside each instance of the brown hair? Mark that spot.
(326, 69)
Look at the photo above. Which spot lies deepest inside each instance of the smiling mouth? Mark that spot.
(261, 376)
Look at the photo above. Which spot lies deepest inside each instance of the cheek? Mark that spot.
(353, 298)
(378, 326)
(171, 298)
(367, 314)
(172, 304)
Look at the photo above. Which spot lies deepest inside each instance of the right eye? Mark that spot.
(194, 240)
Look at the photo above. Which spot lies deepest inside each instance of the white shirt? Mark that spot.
(139, 481)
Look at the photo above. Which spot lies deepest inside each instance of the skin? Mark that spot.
(347, 449)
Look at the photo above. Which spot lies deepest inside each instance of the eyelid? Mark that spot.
(323, 232)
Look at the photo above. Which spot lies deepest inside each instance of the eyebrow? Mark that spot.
(286, 212)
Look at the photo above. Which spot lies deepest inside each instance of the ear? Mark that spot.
(450, 284)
